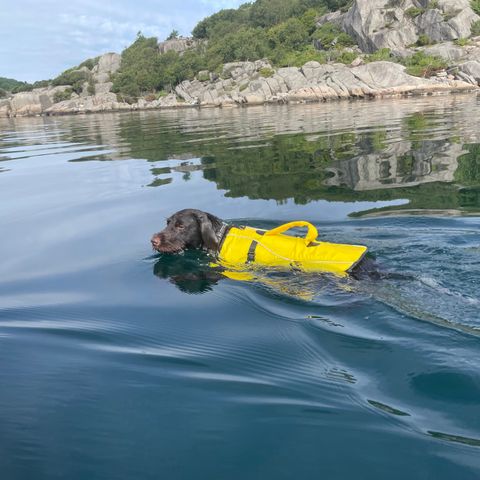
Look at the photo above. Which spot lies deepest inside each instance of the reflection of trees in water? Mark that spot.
(352, 167)
(344, 164)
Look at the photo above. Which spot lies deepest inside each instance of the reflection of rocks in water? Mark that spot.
(403, 164)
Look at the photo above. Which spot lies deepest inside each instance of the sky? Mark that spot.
(41, 38)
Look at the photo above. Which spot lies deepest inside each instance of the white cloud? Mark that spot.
(38, 40)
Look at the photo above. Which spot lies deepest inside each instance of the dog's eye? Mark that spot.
(181, 226)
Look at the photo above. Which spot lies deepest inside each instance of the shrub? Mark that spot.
(203, 76)
(424, 40)
(89, 63)
(266, 72)
(345, 57)
(433, 4)
(475, 4)
(475, 28)
(379, 55)
(422, 65)
(299, 58)
(329, 35)
(3, 93)
(126, 98)
(73, 77)
(461, 42)
(245, 43)
(61, 96)
(292, 34)
(414, 12)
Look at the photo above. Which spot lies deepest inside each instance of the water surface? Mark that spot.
(116, 363)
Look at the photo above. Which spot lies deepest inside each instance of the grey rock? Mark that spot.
(179, 45)
(5, 108)
(448, 51)
(381, 75)
(472, 69)
(374, 25)
(101, 88)
(101, 77)
(378, 24)
(107, 63)
(292, 77)
(34, 102)
(96, 103)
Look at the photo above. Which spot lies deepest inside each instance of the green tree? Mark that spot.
(139, 70)
(246, 43)
(291, 34)
(173, 34)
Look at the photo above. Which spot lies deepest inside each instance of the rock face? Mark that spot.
(34, 102)
(253, 83)
(42, 100)
(107, 64)
(178, 45)
(376, 24)
(312, 82)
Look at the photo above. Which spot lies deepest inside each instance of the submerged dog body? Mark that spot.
(195, 229)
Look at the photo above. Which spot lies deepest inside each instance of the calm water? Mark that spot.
(116, 363)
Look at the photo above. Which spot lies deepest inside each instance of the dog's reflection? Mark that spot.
(193, 272)
(190, 271)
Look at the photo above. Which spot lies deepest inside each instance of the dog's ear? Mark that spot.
(208, 226)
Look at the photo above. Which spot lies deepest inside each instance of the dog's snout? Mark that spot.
(155, 241)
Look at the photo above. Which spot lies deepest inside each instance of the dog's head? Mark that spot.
(188, 228)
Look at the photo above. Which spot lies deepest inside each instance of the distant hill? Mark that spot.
(10, 84)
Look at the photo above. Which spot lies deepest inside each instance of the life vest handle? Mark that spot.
(311, 235)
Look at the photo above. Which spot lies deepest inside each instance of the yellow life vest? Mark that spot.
(247, 245)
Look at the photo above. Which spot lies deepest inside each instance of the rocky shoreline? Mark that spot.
(374, 24)
(245, 83)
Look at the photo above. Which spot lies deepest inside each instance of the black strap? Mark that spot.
(251, 252)
(223, 237)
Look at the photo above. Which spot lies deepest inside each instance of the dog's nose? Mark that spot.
(155, 242)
